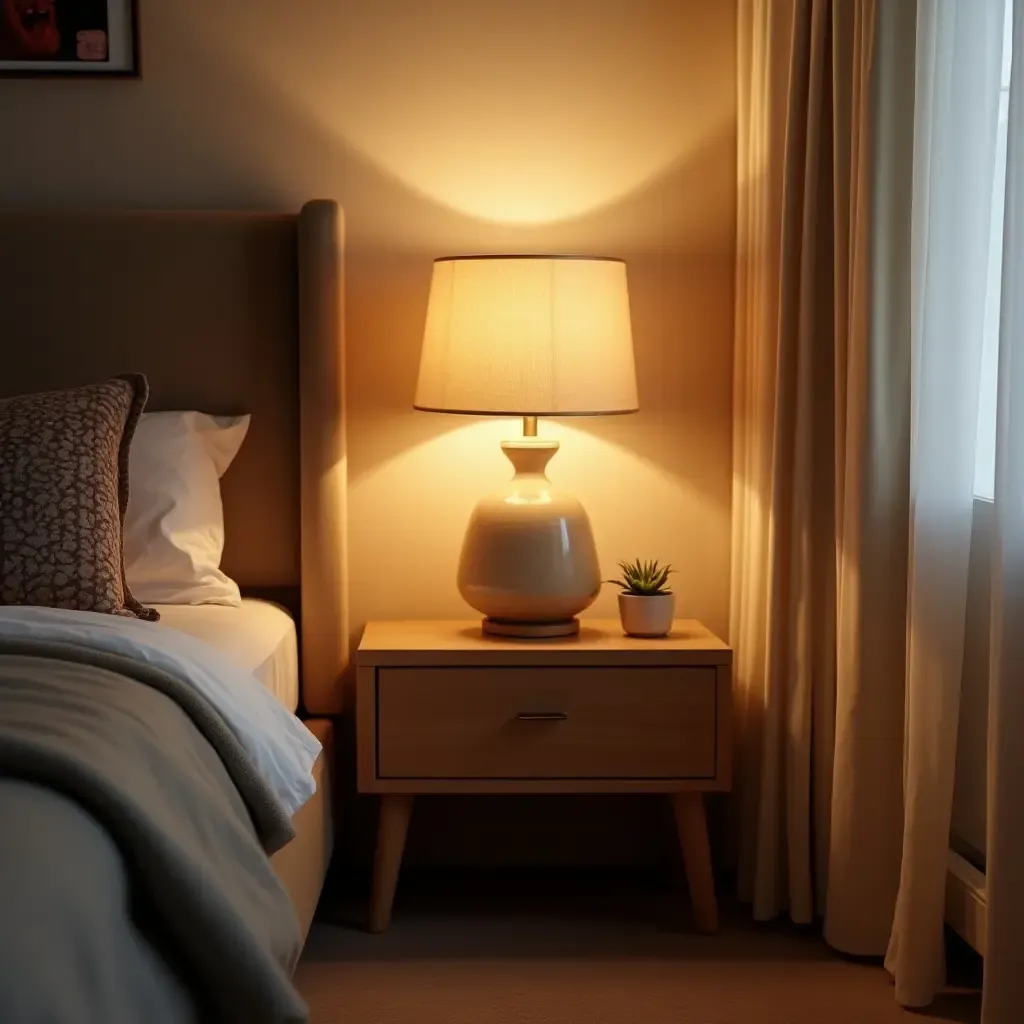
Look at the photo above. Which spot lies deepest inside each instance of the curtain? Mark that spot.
(821, 438)
(1004, 961)
(866, 156)
(958, 51)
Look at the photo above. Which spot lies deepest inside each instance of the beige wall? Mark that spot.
(444, 126)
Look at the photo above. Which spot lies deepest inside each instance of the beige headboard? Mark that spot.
(227, 313)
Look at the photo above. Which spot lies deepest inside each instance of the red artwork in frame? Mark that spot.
(69, 37)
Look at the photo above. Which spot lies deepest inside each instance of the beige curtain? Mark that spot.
(821, 456)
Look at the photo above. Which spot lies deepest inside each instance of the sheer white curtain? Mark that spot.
(1004, 961)
(956, 109)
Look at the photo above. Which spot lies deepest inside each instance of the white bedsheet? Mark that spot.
(281, 747)
(257, 635)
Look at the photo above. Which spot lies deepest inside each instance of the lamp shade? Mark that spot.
(528, 336)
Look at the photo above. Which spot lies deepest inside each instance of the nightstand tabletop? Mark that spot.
(600, 641)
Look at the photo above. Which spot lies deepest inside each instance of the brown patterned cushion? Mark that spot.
(63, 495)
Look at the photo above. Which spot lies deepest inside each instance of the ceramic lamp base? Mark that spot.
(529, 564)
(531, 630)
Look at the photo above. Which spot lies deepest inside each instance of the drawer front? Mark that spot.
(533, 723)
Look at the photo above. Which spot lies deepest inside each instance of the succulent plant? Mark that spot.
(643, 579)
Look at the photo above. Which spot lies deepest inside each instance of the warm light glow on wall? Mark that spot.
(447, 126)
(526, 112)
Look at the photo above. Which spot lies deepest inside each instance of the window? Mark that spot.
(985, 462)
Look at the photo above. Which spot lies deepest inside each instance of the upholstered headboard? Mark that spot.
(226, 313)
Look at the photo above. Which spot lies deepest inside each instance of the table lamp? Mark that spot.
(528, 336)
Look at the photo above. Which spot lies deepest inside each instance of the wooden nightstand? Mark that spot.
(443, 709)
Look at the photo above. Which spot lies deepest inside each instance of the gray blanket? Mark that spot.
(134, 831)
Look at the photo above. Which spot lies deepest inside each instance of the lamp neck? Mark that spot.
(529, 455)
(529, 426)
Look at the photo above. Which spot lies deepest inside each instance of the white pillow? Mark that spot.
(174, 527)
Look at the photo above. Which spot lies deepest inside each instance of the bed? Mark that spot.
(228, 313)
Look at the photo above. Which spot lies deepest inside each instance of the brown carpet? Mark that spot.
(590, 950)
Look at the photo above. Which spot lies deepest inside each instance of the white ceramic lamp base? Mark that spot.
(529, 562)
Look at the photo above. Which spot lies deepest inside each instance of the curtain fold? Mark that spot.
(762, 68)
(871, 462)
(1004, 961)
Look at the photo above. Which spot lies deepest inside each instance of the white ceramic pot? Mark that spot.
(647, 616)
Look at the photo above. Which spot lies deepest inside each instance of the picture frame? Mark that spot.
(79, 38)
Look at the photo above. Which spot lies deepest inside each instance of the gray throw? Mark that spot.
(135, 884)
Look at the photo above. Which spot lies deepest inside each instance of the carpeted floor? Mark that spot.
(556, 949)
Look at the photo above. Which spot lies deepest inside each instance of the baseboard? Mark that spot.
(966, 901)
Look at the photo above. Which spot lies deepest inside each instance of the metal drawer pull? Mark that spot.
(542, 716)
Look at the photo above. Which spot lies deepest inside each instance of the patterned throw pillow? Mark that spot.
(63, 495)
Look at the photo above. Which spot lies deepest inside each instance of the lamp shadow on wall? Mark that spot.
(671, 219)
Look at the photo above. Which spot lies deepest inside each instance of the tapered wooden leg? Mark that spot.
(692, 827)
(395, 809)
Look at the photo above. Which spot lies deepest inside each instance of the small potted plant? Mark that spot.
(646, 605)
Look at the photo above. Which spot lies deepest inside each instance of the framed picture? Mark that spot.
(69, 37)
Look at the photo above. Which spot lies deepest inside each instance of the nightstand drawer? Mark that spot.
(542, 723)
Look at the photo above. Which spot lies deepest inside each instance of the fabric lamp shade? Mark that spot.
(528, 336)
